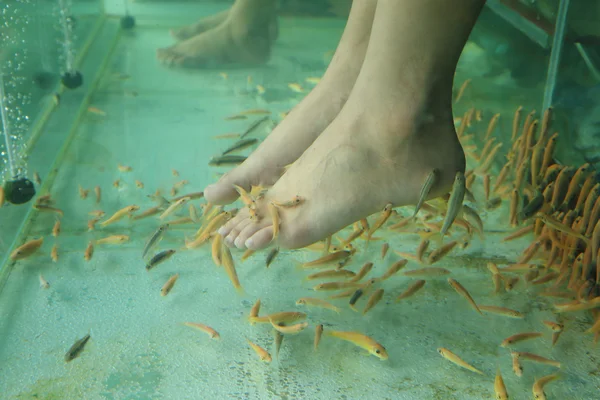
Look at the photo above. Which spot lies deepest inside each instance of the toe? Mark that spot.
(232, 223)
(261, 239)
(248, 231)
(235, 232)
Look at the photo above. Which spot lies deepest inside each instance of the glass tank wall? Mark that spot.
(117, 280)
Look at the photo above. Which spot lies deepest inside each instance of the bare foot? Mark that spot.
(362, 161)
(200, 26)
(309, 118)
(245, 36)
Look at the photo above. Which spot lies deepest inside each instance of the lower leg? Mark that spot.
(309, 118)
(394, 129)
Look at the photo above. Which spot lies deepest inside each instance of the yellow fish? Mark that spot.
(262, 353)
(204, 328)
(453, 358)
(120, 215)
(26, 249)
(311, 301)
(114, 239)
(499, 388)
(228, 264)
(169, 285)
(538, 386)
(173, 207)
(318, 333)
(89, 251)
(292, 329)
(362, 341)
(295, 87)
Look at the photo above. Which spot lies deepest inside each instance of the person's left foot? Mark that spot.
(361, 162)
(244, 37)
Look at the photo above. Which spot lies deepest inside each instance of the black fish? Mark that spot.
(254, 126)
(240, 145)
(357, 295)
(77, 348)
(158, 258)
(271, 256)
(532, 207)
(227, 160)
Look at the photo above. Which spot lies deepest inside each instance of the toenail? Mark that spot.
(249, 243)
(238, 243)
(229, 240)
(222, 231)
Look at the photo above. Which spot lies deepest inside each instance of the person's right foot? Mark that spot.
(200, 26)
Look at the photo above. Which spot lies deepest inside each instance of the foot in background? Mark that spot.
(245, 36)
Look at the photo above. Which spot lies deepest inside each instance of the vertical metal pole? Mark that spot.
(557, 45)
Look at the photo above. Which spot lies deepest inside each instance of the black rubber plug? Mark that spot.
(127, 22)
(72, 80)
(19, 191)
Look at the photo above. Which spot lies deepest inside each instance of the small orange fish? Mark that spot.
(519, 337)
(26, 249)
(364, 270)
(262, 353)
(124, 168)
(114, 239)
(254, 311)
(56, 228)
(463, 292)
(453, 358)
(168, 286)
(204, 328)
(411, 290)
(295, 87)
(89, 251)
(461, 90)
(373, 300)
(318, 334)
(97, 111)
(54, 253)
(289, 330)
(45, 208)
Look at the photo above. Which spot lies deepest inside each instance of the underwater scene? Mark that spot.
(300, 199)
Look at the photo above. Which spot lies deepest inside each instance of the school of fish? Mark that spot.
(557, 206)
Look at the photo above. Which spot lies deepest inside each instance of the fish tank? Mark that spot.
(234, 200)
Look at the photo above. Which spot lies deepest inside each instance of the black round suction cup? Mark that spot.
(72, 80)
(19, 191)
(127, 22)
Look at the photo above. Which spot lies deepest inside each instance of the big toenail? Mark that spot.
(249, 243)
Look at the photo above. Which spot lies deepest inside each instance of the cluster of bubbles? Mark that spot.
(67, 26)
(14, 19)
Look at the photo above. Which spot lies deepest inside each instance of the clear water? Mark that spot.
(158, 119)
